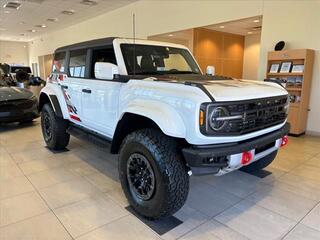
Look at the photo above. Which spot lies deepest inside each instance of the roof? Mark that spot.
(88, 44)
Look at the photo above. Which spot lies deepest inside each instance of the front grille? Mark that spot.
(256, 115)
(11, 105)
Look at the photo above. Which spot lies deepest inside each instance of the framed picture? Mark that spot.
(285, 67)
(274, 68)
(297, 68)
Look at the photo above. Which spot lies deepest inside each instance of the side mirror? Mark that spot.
(104, 70)
(211, 70)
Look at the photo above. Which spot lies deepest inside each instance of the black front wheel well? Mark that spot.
(43, 99)
(129, 123)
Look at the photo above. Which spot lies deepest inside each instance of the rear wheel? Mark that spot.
(260, 164)
(152, 174)
(54, 129)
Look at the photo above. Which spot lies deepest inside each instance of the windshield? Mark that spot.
(157, 60)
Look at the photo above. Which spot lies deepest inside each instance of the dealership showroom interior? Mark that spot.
(159, 119)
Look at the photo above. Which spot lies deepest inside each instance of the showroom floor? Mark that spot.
(76, 195)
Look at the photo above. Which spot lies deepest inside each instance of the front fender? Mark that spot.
(165, 116)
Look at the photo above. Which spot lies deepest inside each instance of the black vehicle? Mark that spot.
(16, 104)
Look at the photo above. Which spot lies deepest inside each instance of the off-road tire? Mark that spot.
(260, 164)
(171, 177)
(59, 137)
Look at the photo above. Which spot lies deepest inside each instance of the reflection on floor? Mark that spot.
(76, 195)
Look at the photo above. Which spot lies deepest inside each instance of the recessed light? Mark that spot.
(41, 26)
(13, 5)
(68, 12)
(221, 27)
(21, 23)
(88, 2)
(32, 30)
(249, 32)
(52, 19)
(256, 21)
(170, 35)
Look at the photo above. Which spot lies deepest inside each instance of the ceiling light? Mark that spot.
(68, 12)
(6, 12)
(170, 35)
(221, 27)
(249, 32)
(52, 19)
(41, 26)
(21, 23)
(32, 30)
(12, 5)
(88, 2)
(256, 21)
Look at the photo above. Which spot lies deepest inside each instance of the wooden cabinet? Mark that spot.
(300, 93)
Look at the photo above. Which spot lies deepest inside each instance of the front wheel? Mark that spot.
(54, 129)
(152, 174)
(261, 163)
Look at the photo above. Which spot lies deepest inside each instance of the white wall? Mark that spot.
(14, 52)
(292, 21)
(251, 56)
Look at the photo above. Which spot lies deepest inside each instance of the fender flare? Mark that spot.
(164, 115)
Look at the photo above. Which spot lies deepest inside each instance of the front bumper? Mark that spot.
(18, 111)
(223, 158)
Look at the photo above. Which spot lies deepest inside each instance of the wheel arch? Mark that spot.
(53, 100)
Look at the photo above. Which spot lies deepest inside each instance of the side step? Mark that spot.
(89, 135)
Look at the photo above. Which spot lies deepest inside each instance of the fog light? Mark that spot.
(246, 158)
(284, 141)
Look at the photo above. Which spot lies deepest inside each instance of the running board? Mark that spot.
(89, 135)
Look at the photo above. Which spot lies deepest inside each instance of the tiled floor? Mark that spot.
(76, 195)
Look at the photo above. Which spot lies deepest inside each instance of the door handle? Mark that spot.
(86, 90)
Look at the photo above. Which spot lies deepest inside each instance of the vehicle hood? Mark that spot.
(228, 89)
(14, 93)
(236, 90)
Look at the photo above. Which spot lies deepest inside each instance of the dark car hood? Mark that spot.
(14, 93)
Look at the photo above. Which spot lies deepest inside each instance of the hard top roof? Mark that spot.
(88, 44)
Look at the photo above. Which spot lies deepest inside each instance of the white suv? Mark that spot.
(164, 117)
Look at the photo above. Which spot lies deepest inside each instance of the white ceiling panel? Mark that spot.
(16, 25)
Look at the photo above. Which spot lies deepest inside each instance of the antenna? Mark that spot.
(134, 43)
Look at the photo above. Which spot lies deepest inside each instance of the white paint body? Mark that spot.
(174, 107)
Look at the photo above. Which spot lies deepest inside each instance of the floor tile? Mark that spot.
(42, 227)
(9, 170)
(89, 214)
(31, 155)
(127, 227)
(50, 177)
(302, 232)
(307, 171)
(103, 182)
(117, 195)
(313, 218)
(68, 192)
(285, 203)
(255, 222)
(21, 207)
(191, 219)
(213, 230)
(209, 200)
(81, 168)
(15, 186)
(39, 165)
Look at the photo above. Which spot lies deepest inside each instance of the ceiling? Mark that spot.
(243, 27)
(24, 23)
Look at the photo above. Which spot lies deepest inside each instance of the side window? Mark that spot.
(77, 65)
(102, 55)
(59, 62)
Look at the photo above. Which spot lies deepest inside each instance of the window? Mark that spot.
(102, 55)
(59, 62)
(158, 60)
(77, 65)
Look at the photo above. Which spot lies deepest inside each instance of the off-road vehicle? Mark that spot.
(162, 115)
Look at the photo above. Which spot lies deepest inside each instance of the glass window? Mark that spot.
(59, 62)
(102, 55)
(158, 60)
(77, 65)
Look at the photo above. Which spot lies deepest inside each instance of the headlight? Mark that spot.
(219, 118)
(286, 107)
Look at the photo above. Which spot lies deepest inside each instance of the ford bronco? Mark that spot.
(162, 115)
